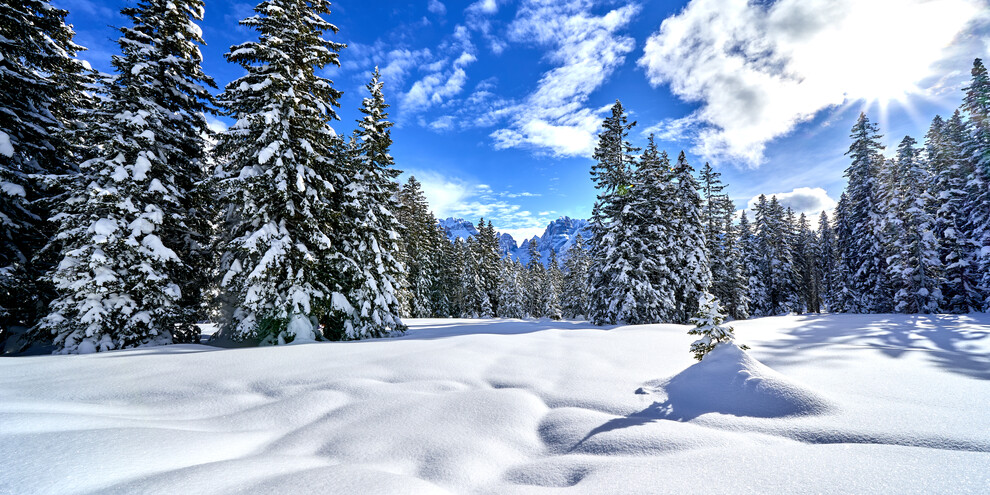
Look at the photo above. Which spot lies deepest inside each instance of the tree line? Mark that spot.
(125, 218)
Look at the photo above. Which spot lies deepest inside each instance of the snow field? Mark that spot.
(821, 404)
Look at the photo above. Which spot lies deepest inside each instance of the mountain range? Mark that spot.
(557, 237)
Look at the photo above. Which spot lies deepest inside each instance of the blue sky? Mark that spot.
(497, 102)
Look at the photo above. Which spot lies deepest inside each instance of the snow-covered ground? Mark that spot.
(820, 404)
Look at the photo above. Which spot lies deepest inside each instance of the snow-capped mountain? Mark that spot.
(558, 237)
(457, 227)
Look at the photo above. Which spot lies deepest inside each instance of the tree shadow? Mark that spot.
(440, 328)
(951, 342)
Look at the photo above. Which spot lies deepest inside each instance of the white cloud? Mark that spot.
(437, 7)
(586, 50)
(442, 82)
(461, 198)
(759, 69)
(216, 124)
(811, 201)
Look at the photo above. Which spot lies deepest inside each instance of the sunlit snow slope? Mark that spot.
(820, 404)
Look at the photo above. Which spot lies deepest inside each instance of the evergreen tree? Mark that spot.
(279, 260)
(708, 322)
(826, 263)
(944, 147)
(845, 300)
(737, 302)
(749, 243)
(976, 104)
(553, 282)
(133, 236)
(808, 282)
(612, 175)
(422, 246)
(716, 206)
(869, 285)
(655, 213)
(690, 257)
(488, 258)
(42, 98)
(576, 293)
(535, 280)
(511, 300)
(914, 260)
(370, 236)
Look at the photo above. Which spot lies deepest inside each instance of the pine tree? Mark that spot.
(757, 295)
(511, 301)
(914, 260)
(488, 257)
(976, 104)
(737, 302)
(42, 99)
(691, 259)
(612, 174)
(826, 263)
(655, 209)
(535, 280)
(716, 206)
(870, 285)
(371, 234)
(576, 293)
(553, 282)
(708, 322)
(846, 298)
(279, 259)
(951, 171)
(130, 234)
(421, 247)
(808, 282)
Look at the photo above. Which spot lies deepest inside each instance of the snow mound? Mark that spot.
(729, 381)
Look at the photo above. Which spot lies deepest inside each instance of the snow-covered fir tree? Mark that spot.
(690, 257)
(123, 232)
(752, 256)
(279, 259)
(576, 293)
(708, 323)
(612, 175)
(715, 207)
(475, 302)
(845, 298)
(804, 255)
(737, 284)
(976, 105)
(957, 253)
(553, 282)
(369, 236)
(914, 259)
(488, 259)
(510, 285)
(869, 285)
(826, 263)
(652, 219)
(43, 97)
(535, 280)
(420, 250)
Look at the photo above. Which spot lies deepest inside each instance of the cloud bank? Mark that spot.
(760, 68)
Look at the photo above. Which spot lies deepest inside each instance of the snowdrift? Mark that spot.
(840, 404)
(729, 381)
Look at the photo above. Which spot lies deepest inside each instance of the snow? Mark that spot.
(6, 149)
(104, 227)
(11, 189)
(823, 404)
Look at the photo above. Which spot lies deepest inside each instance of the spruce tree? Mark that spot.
(422, 249)
(826, 263)
(552, 286)
(42, 101)
(535, 280)
(737, 303)
(976, 104)
(133, 235)
(612, 175)
(870, 285)
(576, 295)
(914, 260)
(511, 301)
(655, 210)
(944, 149)
(749, 244)
(690, 258)
(708, 323)
(846, 299)
(370, 235)
(716, 206)
(280, 261)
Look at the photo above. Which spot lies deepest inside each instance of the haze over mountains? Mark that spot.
(558, 237)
